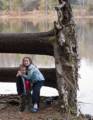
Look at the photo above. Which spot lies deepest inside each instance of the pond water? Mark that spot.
(85, 43)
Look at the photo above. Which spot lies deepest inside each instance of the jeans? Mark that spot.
(36, 92)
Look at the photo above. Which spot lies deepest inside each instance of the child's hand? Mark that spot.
(18, 74)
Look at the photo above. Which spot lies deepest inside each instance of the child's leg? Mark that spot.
(28, 102)
(19, 85)
(36, 93)
(22, 103)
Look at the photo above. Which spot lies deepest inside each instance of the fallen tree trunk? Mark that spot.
(30, 43)
(9, 75)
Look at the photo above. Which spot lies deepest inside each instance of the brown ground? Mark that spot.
(11, 112)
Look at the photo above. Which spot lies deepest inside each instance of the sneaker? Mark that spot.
(34, 110)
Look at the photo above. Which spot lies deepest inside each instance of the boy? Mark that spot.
(23, 88)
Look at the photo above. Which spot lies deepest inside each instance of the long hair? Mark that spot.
(30, 60)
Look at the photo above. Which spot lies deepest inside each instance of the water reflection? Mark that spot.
(24, 25)
(13, 60)
(85, 39)
(85, 42)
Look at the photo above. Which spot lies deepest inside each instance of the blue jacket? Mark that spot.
(34, 74)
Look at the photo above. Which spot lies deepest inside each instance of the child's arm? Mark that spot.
(18, 73)
(29, 74)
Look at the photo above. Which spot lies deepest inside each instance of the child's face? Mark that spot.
(26, 62)
(23, 70)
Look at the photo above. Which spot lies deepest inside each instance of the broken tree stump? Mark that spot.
(66, 57)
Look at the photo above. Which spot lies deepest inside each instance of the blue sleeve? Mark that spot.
(29, 75)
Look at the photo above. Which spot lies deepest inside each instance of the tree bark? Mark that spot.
(9, 75)
(66, 57)
(31, 43)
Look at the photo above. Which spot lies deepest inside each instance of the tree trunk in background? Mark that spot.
(65, 52)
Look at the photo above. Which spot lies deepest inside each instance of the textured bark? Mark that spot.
(66, 57)
(9, 75)
(31, 43)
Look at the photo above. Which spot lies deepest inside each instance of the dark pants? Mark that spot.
(20, 86)
(25, 99)
(36, 92)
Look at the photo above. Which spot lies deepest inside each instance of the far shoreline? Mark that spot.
(40, 14)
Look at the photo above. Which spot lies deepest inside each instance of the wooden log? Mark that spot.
(30, 43)
(9, 75)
